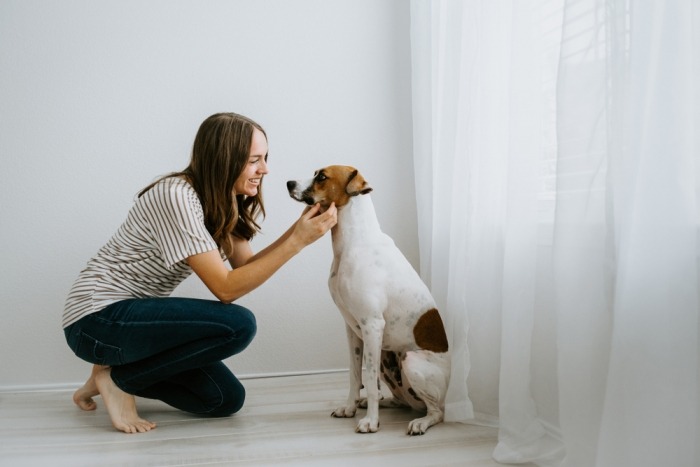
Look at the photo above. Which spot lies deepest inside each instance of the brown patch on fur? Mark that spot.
(337, 184)
(389, 382)
(414, 395)
(429, 332)
(391, 369)
(357, 185)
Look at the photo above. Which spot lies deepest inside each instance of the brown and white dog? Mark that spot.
(391, 318)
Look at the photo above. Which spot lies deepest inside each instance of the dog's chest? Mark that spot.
(372, 281)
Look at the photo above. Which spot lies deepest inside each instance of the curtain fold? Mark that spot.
(558, 163)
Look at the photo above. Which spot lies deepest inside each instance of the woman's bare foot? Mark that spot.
(83, 396)
(120, 405)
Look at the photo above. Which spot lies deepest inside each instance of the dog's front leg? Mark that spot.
(372, 334)
(355, 348)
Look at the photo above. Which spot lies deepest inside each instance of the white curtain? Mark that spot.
(557, 160)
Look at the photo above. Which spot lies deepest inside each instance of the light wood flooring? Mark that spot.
(285, 421)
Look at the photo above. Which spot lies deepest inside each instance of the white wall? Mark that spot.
(97, 98)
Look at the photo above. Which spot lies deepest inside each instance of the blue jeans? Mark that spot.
(169, 349)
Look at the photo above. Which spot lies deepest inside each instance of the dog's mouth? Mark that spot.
(304, 196)
(308, 200)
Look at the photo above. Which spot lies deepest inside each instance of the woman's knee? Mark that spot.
(243, 326)
(231, 403)
(230, 393)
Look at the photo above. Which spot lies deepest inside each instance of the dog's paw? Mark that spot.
(344, 412)
(367, 425)
(419, 426)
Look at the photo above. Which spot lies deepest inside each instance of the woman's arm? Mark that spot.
(242, 253)
(251, 271)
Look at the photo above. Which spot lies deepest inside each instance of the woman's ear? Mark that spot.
(357, 185)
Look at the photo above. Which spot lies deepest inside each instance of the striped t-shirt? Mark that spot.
(146, 257)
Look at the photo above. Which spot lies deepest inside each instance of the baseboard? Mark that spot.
(291, 373)
(73, 386)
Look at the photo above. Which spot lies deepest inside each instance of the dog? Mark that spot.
(392, 323)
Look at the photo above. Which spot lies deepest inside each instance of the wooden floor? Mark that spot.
(286, 421)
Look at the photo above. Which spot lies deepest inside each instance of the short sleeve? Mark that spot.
(177, 221)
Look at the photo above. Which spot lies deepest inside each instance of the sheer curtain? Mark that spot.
(557, 159)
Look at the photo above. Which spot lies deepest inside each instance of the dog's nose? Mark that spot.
(291, 185)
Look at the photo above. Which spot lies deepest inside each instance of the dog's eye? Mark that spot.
(320, 177)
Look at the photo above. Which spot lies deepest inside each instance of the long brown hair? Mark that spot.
(219, 155)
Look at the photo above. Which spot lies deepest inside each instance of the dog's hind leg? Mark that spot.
(428, 374)
(391, 375)
(355, 347)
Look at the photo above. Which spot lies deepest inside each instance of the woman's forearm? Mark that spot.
(272, 246)
(229, 285)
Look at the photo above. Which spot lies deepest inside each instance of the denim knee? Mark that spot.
(243, 326)
(231, 403)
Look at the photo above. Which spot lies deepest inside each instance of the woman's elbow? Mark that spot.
(227, 297)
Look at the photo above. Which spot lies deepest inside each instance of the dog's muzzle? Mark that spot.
(300, 195)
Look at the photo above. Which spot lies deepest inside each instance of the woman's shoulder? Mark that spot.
(170, 186)
(171, 191)
(175, 182)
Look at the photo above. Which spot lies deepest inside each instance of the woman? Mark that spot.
(119, 315)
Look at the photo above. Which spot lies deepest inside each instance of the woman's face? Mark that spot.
(249, 180)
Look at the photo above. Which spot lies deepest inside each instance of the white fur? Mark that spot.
(381, 297)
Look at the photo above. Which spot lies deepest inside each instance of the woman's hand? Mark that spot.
(313, 224)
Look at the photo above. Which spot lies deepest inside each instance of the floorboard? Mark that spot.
(286, 421)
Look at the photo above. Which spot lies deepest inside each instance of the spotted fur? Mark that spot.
(392, 323)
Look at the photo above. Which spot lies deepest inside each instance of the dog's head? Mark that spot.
(332, 184)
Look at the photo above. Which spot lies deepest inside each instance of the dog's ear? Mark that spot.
(357, 185)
